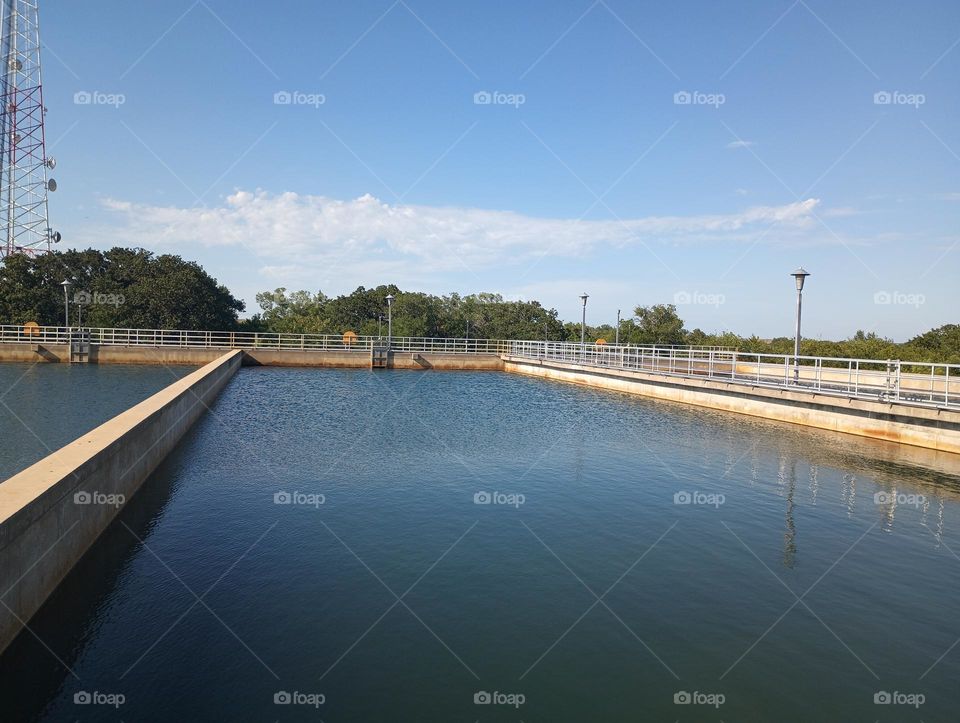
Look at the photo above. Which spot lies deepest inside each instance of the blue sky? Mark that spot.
(586, 171)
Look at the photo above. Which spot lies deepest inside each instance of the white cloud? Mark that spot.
(741, 144)
(300, 231)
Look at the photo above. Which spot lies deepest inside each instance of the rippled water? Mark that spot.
(45, 406)
(386, 588)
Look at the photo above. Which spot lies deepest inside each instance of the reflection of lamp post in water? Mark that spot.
(790, 535)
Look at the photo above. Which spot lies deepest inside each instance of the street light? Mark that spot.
(390, 298)
(583, 324)
(617, 342)
(66, 302)
(799, 276)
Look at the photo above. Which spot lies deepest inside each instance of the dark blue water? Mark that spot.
(383, 591)
(45, 406)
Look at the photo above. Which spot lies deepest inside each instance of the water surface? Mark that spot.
(384, 586)
(45, 406)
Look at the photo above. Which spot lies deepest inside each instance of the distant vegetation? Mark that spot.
(128, 288)
(133, 288)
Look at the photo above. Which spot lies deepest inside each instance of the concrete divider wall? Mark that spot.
(920, 426)
(45, 527)
(343, 359)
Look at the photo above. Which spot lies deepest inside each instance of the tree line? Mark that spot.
(134, 288)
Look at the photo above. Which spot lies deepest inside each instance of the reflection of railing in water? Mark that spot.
(912, 383)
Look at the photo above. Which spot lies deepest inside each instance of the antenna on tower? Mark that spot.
(23, 160)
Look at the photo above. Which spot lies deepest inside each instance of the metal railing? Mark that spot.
(912, 383)
(187, 339)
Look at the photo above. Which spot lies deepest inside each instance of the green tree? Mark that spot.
(124, 287)
(657, 324)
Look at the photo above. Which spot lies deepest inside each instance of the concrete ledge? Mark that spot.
(45, 529)
(931, 428)
(39, 352)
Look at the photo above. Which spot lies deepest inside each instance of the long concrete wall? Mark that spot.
(920, 426)
(108, 354)
(51, 512)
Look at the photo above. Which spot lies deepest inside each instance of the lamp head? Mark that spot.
(800, 276)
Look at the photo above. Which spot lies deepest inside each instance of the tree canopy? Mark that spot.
(121, 287)
(134, 288)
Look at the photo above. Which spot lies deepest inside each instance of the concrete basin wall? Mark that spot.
(932, 428)
(51, 512)
(334, 359)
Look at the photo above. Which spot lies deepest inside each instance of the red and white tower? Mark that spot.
(23, 158)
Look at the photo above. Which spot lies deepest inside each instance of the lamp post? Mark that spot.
(380, 326)
(617, 342)
(390, 298)
(583, 325)
(66, 302)
(799, 276)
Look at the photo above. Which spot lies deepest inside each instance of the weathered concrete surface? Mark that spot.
(359, 359)
(45, 528)
(42, 351)
(920, 426)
